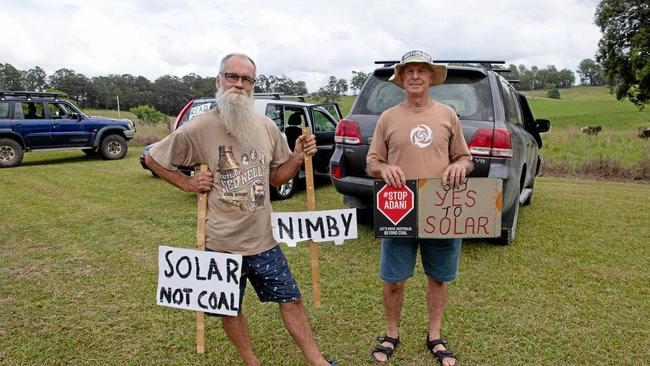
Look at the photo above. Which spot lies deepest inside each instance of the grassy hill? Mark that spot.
(615, 152)
(588, 105)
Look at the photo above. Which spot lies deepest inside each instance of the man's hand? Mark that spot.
(393, 176)
(454, 174)
(305, 144)
(200, 182)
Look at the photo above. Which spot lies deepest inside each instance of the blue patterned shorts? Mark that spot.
(270, 276)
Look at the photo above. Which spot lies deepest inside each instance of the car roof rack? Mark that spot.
(485, 63)
(30, 94)
(279, 96)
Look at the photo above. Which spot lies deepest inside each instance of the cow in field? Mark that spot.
(591, 130)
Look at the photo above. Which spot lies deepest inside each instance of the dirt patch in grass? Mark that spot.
(600, 168)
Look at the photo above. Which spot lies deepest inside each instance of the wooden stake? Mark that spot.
(311, 206)
(202, 203)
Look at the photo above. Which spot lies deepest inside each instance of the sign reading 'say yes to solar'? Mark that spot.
(472, 210)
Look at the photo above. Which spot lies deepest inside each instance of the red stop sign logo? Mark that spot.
(395, 203)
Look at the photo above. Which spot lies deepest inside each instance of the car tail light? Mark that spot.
(491, 142)
(337, 172)
(347, 132)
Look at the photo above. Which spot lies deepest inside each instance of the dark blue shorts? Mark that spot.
(439, 258)
(270, 276)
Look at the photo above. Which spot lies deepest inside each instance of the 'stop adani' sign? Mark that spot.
(472, 210)
(395, 210)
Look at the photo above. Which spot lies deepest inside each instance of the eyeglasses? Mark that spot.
(233, 78)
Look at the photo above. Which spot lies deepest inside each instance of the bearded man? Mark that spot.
(239, 215)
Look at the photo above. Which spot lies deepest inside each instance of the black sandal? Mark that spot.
(442, 354)
(383, 349)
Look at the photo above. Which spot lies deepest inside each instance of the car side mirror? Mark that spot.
(74, 116)
(542, 125)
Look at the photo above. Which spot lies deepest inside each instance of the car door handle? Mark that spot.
(19, 125)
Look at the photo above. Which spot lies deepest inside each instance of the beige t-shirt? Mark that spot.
(422, 141)
(239, 208)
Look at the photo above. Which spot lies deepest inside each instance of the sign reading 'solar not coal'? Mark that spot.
(198, 280)
(319, 226)
(395, 210)
(472, 210)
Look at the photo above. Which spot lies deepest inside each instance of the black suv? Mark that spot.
(33, 120)
(497, 123)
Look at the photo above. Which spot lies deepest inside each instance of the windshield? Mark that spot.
(469, 96)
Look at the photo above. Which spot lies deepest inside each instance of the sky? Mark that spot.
(304, 40)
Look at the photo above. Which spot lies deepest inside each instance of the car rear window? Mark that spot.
(198, 108)
(468, 95)
(4, 110)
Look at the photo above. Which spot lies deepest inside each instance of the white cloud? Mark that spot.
(304, 40)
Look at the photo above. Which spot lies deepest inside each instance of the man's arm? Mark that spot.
(289, 168)
(200, 182)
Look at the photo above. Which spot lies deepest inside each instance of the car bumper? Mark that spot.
(129, 134)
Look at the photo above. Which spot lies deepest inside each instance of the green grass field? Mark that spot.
(591, 106)
(78, 272)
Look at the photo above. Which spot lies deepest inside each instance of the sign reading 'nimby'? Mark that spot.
(319, 226)
(198, 280)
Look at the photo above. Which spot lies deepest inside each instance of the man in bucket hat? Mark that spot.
(418, 138)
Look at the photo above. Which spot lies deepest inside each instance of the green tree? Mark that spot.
(148, 114)
(333, 90)
(624, 49)
(358, 78)
(10, 78)
(34, 79)
(77, 86)
(590, 73)
(170, 94)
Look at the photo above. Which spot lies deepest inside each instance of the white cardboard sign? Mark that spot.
(319, 226)
(197, 280)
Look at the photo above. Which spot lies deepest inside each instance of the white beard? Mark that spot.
(238, 115)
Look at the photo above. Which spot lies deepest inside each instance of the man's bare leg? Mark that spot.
(295, 320)
(237, 330)
(393, 301)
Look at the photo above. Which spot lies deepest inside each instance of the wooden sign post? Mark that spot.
(202, 203)
(311, 206)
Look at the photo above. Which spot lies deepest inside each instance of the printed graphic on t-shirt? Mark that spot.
(421, 136)
(242, 182)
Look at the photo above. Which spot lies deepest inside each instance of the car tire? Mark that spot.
(113, 147)
(284, 191)
(529, 200)
(508, 234)
(11, 153)
(90, 152)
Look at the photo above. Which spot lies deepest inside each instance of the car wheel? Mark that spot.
(113, 147)
(11, 153)
(529, 200)
(284, 191)
(90, 152)
(508, 234)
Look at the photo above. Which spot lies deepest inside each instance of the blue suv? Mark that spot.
(33, 121)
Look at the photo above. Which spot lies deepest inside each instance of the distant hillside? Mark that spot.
(587, 105)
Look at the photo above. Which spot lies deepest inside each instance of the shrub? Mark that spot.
(148, 114)
(552, 91)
